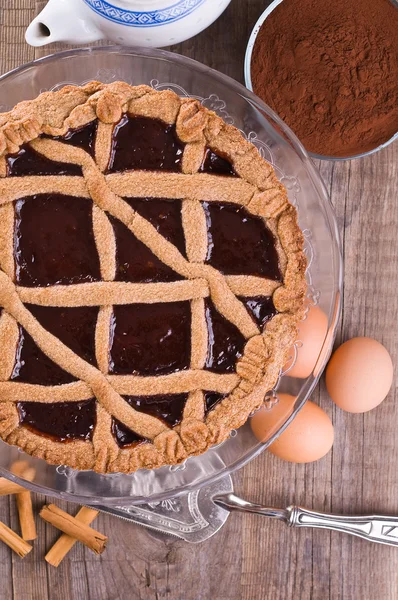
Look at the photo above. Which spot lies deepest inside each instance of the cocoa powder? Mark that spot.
(329, 68)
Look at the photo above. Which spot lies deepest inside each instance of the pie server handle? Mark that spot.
(375, 528)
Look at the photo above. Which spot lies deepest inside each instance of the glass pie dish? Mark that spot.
(277, 144)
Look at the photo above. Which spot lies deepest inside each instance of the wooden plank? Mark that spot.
(5, 553)
(364, 463)
(252, 558)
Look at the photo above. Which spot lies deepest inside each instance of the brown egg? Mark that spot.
(308, 437)
(359, 375)
(312, 334)
(265, 422)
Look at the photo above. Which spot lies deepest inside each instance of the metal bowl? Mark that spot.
(249, 85)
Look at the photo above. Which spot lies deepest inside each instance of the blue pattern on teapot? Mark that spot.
(152, 18)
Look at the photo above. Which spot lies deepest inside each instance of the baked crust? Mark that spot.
(257, 188)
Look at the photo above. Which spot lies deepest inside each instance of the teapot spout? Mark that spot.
(61, 21)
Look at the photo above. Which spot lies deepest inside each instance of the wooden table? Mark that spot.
(251, 558)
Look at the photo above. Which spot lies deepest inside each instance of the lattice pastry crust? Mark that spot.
(256, 188)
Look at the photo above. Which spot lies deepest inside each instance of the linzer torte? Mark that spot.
(152, 275)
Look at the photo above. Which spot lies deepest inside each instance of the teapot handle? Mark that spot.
(61, 21)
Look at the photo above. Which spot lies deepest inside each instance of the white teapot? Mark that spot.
(152, 23)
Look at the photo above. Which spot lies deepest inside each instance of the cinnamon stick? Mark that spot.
(91, 538)
(14, 541)
(65, 543)
(22, 469)
(24, 501)
(26, 518)
(9, 487)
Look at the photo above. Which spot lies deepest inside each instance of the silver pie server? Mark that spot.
(374, 528)
(198, 515)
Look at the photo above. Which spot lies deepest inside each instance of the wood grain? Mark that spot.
(252, 559)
